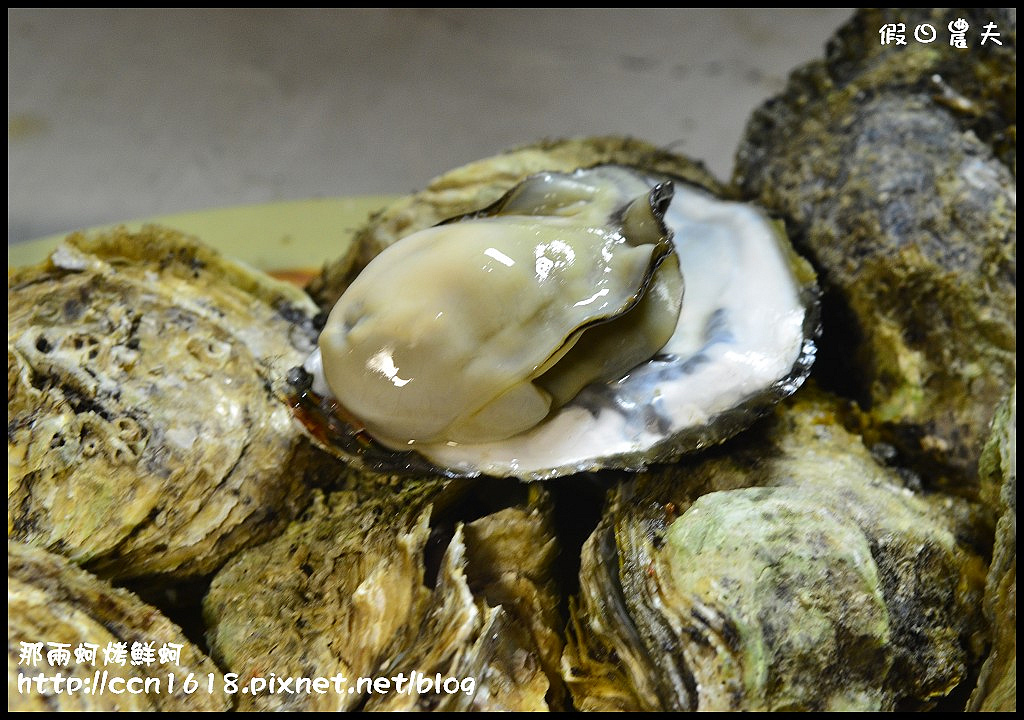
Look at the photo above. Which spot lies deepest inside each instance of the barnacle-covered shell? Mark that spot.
(788, 571)
(144, 433)
(886, 162)
(347, 589)
(52, 602)
(743, 340)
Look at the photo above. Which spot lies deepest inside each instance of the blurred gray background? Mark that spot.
(121, 114)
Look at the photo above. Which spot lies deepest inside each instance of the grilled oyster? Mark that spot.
(557, 375)
(789, 570)
(52, 602)
(346, 590)
(144, 433)
(886, 163)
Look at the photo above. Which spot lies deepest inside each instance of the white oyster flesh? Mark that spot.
(742, 330)
(473, 331)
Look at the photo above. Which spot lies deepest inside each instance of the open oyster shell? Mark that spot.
(51, 601)
(744, 340)
(890, 165)
(144, 433)
(349, 589)
(786, 571)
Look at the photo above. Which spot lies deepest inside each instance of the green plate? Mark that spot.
(274, 236)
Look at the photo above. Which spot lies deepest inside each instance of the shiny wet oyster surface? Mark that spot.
(615, 362)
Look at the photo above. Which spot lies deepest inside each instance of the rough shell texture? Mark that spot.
(49, 600)
(144, 434)
(787, 570)
(997, 686)
(346, 589)
(893, 191)
(980, 88)
(481, 183)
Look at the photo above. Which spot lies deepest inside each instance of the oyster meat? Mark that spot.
(571, 298)
(543, 335)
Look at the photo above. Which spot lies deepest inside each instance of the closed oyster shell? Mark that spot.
(788, 571)
(346, 590)
(326, 596)
(50, 600)
(997, 685)
(144, 433)
(886, 163)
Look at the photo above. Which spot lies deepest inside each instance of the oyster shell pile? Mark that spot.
(809, 554)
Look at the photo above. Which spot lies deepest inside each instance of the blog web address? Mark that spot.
(104, 683)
